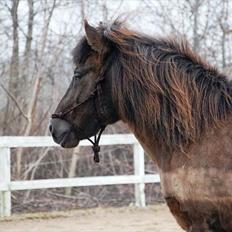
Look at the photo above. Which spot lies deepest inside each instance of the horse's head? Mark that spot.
(87, 105)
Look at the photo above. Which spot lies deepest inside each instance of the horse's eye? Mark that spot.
(77, 74)
(80, 72)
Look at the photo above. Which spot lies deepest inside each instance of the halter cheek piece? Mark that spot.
(100, 109)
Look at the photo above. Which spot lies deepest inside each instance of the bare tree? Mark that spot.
(14, 64)
(28, 43)
(38, 78)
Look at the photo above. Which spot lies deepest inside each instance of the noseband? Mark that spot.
(100, 109)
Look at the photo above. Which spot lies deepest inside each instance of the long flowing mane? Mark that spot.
(162, 86)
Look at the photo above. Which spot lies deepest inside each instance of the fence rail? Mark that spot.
(139, 179)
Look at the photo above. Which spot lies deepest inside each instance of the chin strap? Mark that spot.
(96, 147)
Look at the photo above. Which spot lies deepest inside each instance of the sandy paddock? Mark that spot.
(155, 218)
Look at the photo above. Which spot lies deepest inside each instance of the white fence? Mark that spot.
(6, 185)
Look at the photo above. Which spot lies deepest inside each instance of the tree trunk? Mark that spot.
(14, 65)
(29, 36)
(36, 88)
(72, 168)
(196, 39)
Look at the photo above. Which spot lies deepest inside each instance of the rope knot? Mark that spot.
(96, 150)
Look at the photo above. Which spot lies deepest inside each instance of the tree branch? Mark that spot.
(12, 97)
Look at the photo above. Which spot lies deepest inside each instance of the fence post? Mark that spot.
(5, 196)
(139, 171)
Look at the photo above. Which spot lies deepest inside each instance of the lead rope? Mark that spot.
(96, 147)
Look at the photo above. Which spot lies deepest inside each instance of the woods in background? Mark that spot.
(37, 37)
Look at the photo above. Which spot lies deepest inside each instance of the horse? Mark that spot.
(177, 105)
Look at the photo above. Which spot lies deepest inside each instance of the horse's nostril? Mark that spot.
(50, 128)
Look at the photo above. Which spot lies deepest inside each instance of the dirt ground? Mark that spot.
(155, 218)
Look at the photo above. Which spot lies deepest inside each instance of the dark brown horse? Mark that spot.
(177, 105)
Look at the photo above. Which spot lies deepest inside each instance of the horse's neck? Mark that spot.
(152, 148)
(214, 140)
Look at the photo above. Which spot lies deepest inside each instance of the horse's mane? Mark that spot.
(162, 86)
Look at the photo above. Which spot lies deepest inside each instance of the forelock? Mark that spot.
(81, 52)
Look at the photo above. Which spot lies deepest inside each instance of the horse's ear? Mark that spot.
(93, 36)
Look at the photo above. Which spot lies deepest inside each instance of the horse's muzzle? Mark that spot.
(63, 133)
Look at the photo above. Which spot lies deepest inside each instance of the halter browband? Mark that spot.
(100, 114)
